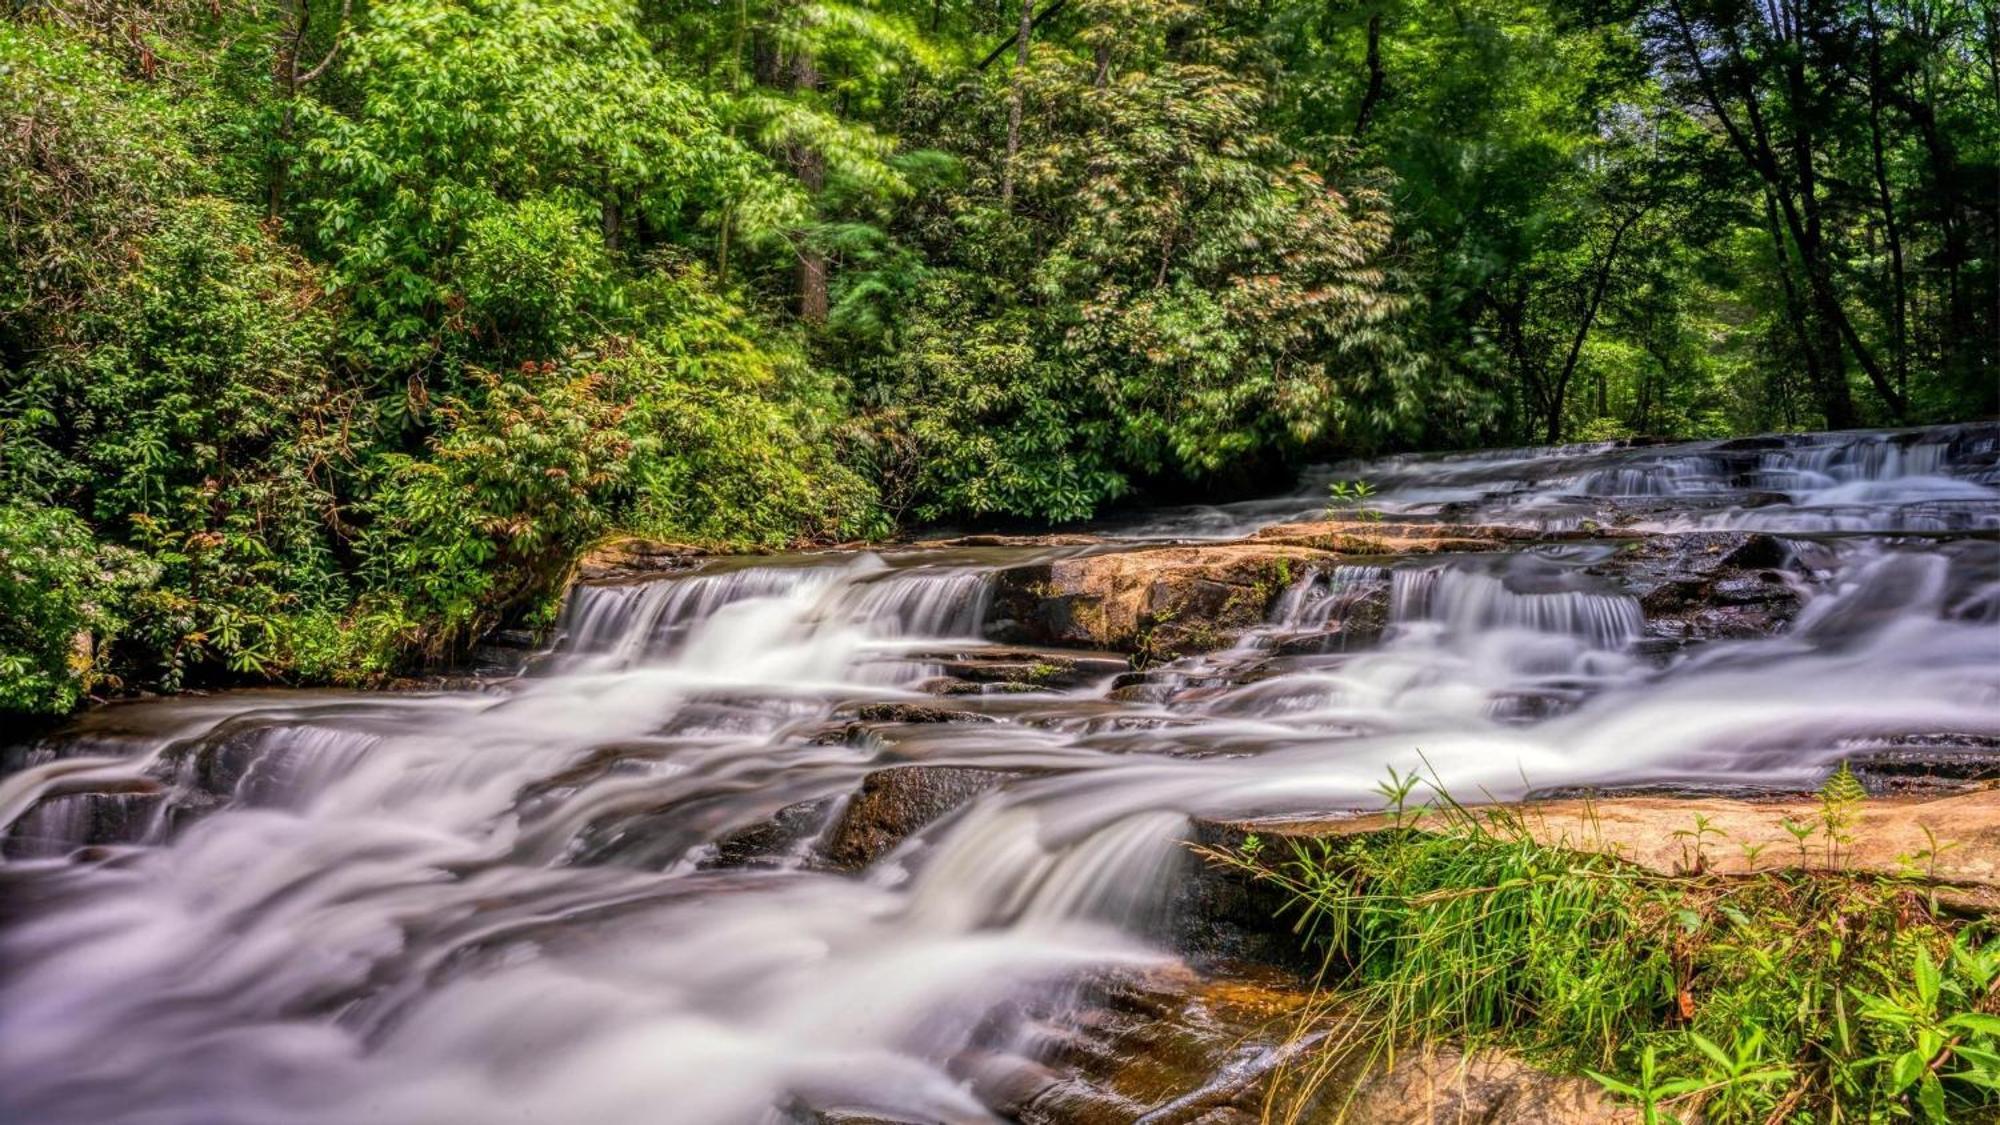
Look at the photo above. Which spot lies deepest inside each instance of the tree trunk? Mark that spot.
(1559, 389)
(1795, 308)
(809, 165)
(1891, 229)
(1372, 96)
(289, 78)
(1943, 159)
(1014, 99)
(1801, 215)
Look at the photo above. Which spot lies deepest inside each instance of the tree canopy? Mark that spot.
(328, 336)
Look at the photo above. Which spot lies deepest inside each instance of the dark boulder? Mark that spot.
(916, 713)
(1703, 585)
(894, 804)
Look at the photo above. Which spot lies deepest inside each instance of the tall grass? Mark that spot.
(1775, 997)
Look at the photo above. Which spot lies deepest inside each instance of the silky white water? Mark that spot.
(513, 904)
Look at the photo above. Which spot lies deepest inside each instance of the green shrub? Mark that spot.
(150, 426)
(741, 438)
(532, 273)
(481, 132)
(62, 598)
(524, 469)
(982, 422)
(88, 162)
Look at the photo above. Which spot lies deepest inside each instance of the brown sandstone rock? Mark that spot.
(1443, 1086)
(1886, 836)
(1157, 603)
(632, 558)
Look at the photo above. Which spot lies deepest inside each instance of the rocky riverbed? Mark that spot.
(907, 834)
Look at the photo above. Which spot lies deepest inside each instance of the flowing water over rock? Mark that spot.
(780, 840)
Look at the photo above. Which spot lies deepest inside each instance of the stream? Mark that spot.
(626, 884)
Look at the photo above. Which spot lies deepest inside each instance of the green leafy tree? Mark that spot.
(480, 140)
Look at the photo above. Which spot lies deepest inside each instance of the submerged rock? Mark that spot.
(893, 804)
(65, 820)
(1034, 668)
(1171, 1045)
(916, 713)
(1231, 1043)
(782, 840)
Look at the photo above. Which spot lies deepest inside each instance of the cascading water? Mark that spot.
(1470, 604)
(529, 902)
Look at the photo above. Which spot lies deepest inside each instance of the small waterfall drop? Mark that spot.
(1468, 603)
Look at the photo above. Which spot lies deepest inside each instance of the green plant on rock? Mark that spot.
(1346, 497)
(1840, 798)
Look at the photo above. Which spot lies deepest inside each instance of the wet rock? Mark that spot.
(1146, 687)
(1525, 707)
(893, 804)
(802, 1112)
(1173, 1045)
(1156, 603)
(945, 685)
(505, 652)
(476, 680)
(1361, 536)
(1355, 619)
(1229, 1044)
(917, 713)
(1920, 763)
(1668, 573)
(1750, 445)
(1222, 911)
(1666, 790)
(209, 771)
(1705, 585)
(780, 841)
(1031, 667)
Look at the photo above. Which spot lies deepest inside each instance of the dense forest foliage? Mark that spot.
(329, 334)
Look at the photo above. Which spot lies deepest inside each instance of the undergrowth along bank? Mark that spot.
(1780, 996)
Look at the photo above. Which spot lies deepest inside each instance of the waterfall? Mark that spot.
(1468, 603)
(942, 604)
(612, 626)
(650, 618)
(1313, 602)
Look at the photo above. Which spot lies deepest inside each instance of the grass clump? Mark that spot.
(1775, 997)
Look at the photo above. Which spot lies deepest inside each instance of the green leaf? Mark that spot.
(1930, 1096)
(1905, 1070)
